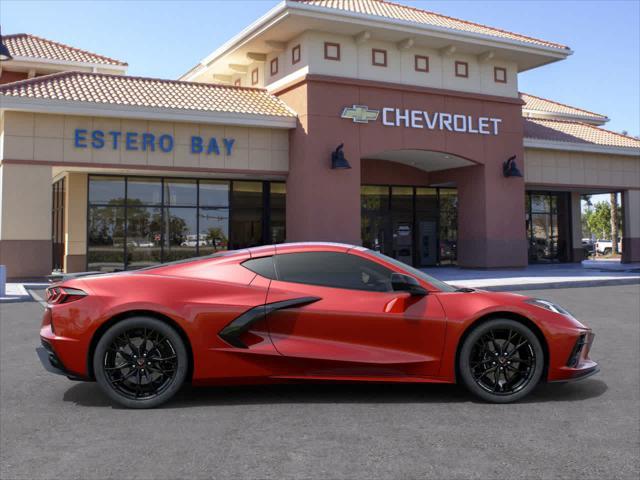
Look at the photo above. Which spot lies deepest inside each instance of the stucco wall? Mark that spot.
(554, 167)
(356, 62)
(50, 138)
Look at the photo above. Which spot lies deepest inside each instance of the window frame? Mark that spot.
(465, 65)
(327, 45)
(375, 51)
(296, 54)
(274, 63)
(495, 74)
(255, 77)
(417, 58)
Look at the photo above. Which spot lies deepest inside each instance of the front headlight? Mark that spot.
(547, 305)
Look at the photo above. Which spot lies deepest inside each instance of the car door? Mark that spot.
(349, 322)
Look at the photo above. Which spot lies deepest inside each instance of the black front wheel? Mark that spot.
(140, 362)
(501, 361)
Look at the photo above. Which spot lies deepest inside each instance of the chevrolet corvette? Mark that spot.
(302, 312)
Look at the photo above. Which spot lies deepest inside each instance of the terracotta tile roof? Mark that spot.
(27, 45)
(575, 132)
(395, 11)
(545, 105)
(148, 92)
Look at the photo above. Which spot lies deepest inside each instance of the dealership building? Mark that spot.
(365, 122)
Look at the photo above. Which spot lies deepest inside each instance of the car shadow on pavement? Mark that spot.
(90, 395)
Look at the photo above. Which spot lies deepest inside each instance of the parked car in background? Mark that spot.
(605, 247)
(193, 240)
(588, 246)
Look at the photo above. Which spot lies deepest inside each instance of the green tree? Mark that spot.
(598, 220)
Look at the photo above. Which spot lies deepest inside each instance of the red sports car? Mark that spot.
(310, 311)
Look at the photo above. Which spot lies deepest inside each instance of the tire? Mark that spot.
(493, 369)
(135, 376)
(607, 251)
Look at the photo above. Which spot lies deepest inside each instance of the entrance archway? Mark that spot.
(405, 213)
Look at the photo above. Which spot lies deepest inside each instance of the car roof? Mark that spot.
(293, 247)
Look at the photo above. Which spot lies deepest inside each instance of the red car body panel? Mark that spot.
(341, 335)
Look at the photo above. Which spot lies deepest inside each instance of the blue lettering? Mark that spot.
(165, 142)
(196, 144)
(80, 137)
(97, 137)
(213, 146)
(228, 144)
(148, 140)
(115, 136)
(132, 141)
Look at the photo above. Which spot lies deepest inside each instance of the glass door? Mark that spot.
(548, 226)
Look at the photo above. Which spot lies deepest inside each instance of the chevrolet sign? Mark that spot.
(360, 114)
(402, 117)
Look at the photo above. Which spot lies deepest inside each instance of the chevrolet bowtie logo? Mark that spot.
(360, 114)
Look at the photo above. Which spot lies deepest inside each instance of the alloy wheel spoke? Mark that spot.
(150, 372)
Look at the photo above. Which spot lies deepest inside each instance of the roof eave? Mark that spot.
(250, 31)
(68, 107)
(286, 7)
(565, 51)
(548, 115)
(68, 63)
(536, 143)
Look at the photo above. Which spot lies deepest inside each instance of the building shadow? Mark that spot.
(90, 395)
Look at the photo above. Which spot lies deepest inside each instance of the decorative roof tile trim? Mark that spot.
(387, 9)
(32, 46)
(575, 132)
(540, 104)
(102, 88)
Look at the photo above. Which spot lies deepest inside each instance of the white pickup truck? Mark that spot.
(605, 247)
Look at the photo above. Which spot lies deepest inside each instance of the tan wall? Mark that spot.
(553, 167)
(25, 202)
(631, 203)
(75, 220)
(50, 138)
(25, 221)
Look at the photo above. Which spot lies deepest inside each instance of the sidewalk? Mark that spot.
(538, 276)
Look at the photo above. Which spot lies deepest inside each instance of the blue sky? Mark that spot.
(166, 38)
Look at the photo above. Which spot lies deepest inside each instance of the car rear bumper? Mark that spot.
(51, 362)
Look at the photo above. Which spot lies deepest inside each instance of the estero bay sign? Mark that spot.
(136, 141)
(403, 117)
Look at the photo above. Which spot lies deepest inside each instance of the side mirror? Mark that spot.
(406, 283)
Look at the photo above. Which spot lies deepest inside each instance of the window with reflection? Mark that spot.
(105, 241)
(134, 222)
(277, 215)
(247, 214)
(416, 225)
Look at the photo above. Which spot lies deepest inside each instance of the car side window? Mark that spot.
(333, 269)
(263, 266)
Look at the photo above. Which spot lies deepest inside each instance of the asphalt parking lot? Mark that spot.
(54, 428)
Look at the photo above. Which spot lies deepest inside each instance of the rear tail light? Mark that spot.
(58, 295)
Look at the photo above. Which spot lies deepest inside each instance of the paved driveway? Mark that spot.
(53, 428)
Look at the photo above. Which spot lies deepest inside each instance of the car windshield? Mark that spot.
(440, 285)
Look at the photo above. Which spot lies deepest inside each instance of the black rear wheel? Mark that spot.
(501, 361)
(140, 362)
